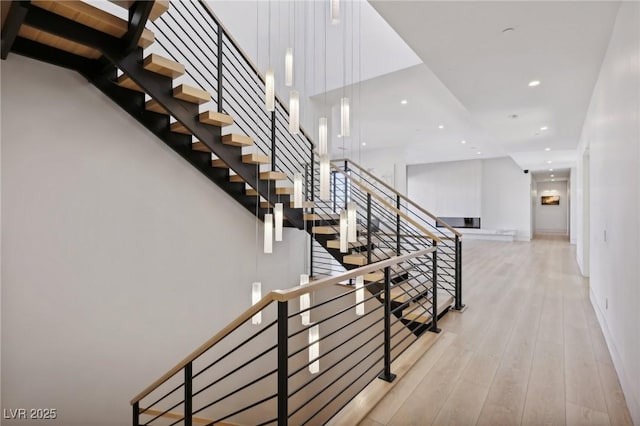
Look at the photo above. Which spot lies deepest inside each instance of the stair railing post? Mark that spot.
(386, 374)
(188, 395)
(283, 363)
(369, 228)
(398, 242)
(434, 289)
(220, 54)
(273, 140)
(136, 414)
(458, 306)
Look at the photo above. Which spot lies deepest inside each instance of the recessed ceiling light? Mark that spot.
(364, 144)
(513, 116)
(549, 162)
(463, 142)
(403, 102)
(534, 83)
(479, 152)
(552, 175)
(441, 126)
(547, 149)
(543, 128)
(553, 180)
(550, 170)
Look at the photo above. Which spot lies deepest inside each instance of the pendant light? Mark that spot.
(294, 112)
(343, 230)
(360, 295)
(278, 218)
(288, 67)
(352, 221)
(314, 349)
(297, 190)
(324, 178)
(345, 130)
(270, 91)
(268, 233)
(256, 295)
(323, 148)
(335, 12)
(305, 302)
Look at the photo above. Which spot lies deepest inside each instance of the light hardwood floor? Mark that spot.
(528, 349)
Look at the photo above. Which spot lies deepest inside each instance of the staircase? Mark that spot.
(175, 69)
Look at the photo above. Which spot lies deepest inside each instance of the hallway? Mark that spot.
(528, 349)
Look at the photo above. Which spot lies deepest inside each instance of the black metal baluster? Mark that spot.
(283, 359)
(369, 228)
(386, 374)
(220, 42)
(136, 414)
(188, 395)
(434, 290)
(398, 226)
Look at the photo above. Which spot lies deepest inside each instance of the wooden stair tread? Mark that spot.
(178, 127)
(321, 216)
(379, 275)
(421, 312)
(55, 41)
(234, 139)
(266, 205)
(219, 163)
(250, 192)
(153, 105)
(361, 242)
(305, 205)
(361, 405)
(284, 190)
(324, 230)
(163, 66)
(93, 17)
(255, 158)
(200, 146)
(235, 178)
(271, 175)
(404, 291)
(159, 7)
(360, 259)
(191, 94)
(126, 82)
(214, 118)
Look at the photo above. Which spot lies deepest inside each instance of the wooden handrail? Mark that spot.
(382, 201)
(389, 187)
(276, 296)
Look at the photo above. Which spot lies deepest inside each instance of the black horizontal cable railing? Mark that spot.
(297, 364)
(450, 244)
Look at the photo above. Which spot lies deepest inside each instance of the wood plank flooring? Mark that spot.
(528, 349)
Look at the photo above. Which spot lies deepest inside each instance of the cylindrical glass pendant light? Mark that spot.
(343, 230)
(345, 128)
(288, 67)
(325, 176)
(335, 12)
(305, 301)
(297, 190)
(351, 217)
(268, 233)
(294, 112)
(360, 295)
(269, 90)
(323, 147)
(256, 295)
(278, 218)
(314, 349)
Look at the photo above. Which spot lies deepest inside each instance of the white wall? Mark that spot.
(495, 190)
(611, 134)
(549, 218)
(119, 258)
(505, 197)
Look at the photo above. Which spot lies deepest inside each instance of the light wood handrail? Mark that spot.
(389, 187)
(382, 201)
(276, 296)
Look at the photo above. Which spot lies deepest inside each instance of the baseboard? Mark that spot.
(625, 382)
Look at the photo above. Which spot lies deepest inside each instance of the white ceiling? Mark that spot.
(475, 76)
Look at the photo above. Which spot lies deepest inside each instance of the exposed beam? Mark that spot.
(17, 12)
